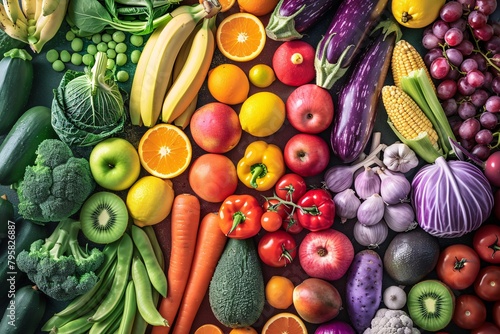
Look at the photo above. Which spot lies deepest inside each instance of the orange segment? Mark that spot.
(241, 37)
(284, 323)
(225, 4)
(165, 151)
(208, 329)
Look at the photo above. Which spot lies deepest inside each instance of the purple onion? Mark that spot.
(335, 327)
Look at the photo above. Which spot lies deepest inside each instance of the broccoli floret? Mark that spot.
(58, 265)
(388, 321)
(56, 186)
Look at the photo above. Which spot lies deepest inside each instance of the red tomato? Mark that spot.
(290, 187)
(470, 311)
(291, 224)
(317, 210)
(495, 312)
(458, 266)
(277, 249)
(487, 284)
(272, 204)
(486, 243)
(486, 328)
(271, 221)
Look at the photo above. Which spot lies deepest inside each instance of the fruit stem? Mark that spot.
(297, 58)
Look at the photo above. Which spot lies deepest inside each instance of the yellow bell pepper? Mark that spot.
(261, 166)
(416, 13)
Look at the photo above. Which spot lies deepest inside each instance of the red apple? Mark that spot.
(215, 127)
(306, 154)
(316, 300)
(309, 109)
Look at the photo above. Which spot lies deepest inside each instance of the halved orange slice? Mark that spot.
(209, 329)
(241, 37)
(284, 322)
(165, 151)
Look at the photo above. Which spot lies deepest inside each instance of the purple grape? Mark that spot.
(493, 45)
(439, 68)
(466, 110)
(496, 27)
(469, 128)
(446, 89)
(481, 62)
(493, 104)
(476, 19)
(475, 78)
(488, 78)
(451, 11)
(467, 4)
(487, 7)
(468, 65)
(468, 144)
(466, 47)
(431, 55)
(430, 41)
(453, 74)
(454, 36)
(460, 24)
(495, 84)
(484, 33)
(454, 56)
(479, 97)
(463, 87)
(483, 137)
(450, 107)
(455, 123)
(488, 120)
(439, 28)
(482, 152)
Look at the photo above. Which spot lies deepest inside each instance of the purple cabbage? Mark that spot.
(451, 198)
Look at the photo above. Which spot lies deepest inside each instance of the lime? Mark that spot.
(261, 75)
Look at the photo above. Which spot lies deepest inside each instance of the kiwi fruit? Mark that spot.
(431, 304)
(104, 217)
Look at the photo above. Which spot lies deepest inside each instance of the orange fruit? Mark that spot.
(208, 329)
(257, 7)
(243, 330)
(241, 37)
(284, 323)
(225, 4)
(228, 84)
(165, 151)
(279, 292)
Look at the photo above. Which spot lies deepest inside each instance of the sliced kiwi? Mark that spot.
(431, 304)
(104, 217)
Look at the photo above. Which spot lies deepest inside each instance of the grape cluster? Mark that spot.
(463, 56)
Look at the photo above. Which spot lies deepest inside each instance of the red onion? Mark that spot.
(371, 210)
(400, 217)
(370, 236)
(451, 198)
(367, 183)
(335, 327)
(394, 187)
(346, 204)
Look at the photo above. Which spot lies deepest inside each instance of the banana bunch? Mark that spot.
(124, 300)
(35, 22)
(173, 66)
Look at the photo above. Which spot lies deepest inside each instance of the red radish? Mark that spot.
(293, 63)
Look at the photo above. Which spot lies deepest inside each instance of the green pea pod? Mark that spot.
(154, 270)
(129, 310)
(78, 325)
(140, 325)
(121, 278)
(156, 245)
(144, 294)
(106, 323)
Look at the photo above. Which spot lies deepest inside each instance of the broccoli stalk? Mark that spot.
(58, 265)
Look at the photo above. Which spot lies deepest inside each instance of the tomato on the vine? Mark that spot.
(486, 242)
(458, 266)
(291, 224)
(317, 210)
(271, 221)
(487, 284)
(470, 311)
(272, 204)
(277, 249)
(290, 187)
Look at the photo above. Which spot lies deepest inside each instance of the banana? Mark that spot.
(38, 9)
(17, 30)
(13, 10)
(161, 62)
(183, 120)
(192, 74)
(48, 27)
(28, 7)
(138, 80)
(49, 6)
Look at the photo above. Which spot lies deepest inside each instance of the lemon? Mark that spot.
(149, 200)
(262, 114)
(261, 75)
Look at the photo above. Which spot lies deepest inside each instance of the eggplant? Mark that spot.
(291, 18)
(347, 34)
(358, 98)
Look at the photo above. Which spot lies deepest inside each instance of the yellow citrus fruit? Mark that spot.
(165, 151)
(257, 7)
(243, 330)
(284, 323)
(209, 329)
(149, 200)
(262, 114)
(279, 292)
(225, 4)
(261, 75)
(228, 84)
(241, 37)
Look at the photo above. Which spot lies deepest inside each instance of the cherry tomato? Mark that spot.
(486, 328)
(317, 210)
(272, 204)
(487, 284)
(277, 249)
(271, 221)
(290, 187)
(495, 313)
(486, 242)
(470, 311)
(458, 266)
(291, 224)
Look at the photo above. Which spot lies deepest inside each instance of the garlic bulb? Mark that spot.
(346, 204)
(400, 217)
(370, 236)
(367, 183)
(394, 187)
(399, 157)
(371, 210)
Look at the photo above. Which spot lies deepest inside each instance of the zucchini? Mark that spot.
(16, 79)
(24, 311)
(18, 150)
(236, 292)
(6, 214)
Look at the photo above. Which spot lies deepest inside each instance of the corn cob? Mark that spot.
(406, 116)
(405, 58)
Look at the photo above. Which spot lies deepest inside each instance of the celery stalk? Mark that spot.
(421, 145)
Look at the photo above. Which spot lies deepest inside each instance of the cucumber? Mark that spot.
(18, 150)
(6, 214)
(24, 311)
(236, 292)
(16, 79)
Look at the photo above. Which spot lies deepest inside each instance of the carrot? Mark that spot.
(209, 246)
(184, 220)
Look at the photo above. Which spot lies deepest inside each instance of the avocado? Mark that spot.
(410, 256)
(7, 43)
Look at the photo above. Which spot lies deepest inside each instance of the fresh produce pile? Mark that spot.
(250, 166)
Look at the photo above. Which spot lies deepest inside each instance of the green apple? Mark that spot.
(115, 164)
